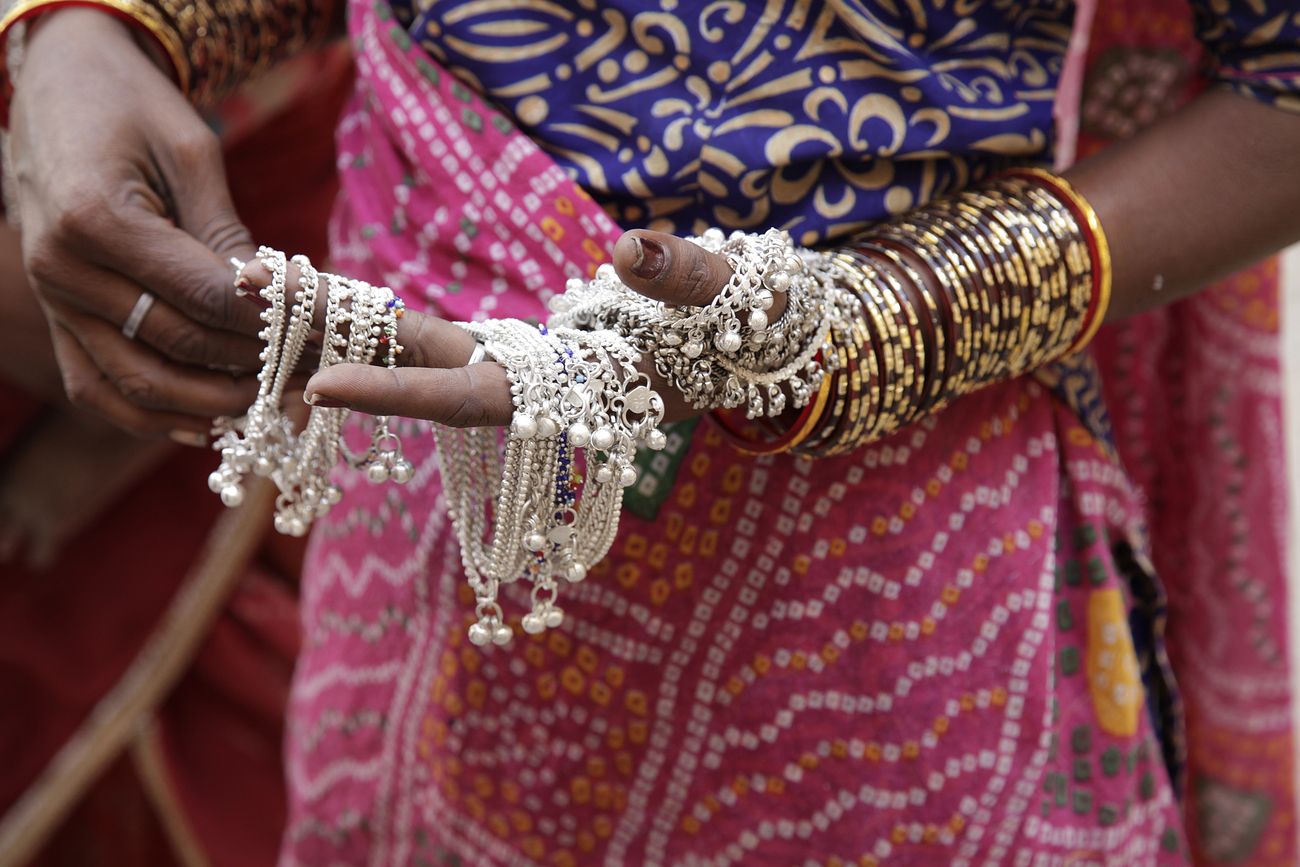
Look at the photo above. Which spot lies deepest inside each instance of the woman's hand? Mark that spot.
(121, 191)
(434, 381)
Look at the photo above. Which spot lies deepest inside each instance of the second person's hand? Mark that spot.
(121, 191)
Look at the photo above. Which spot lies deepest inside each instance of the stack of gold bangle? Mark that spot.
(213, 46)
(966, 291)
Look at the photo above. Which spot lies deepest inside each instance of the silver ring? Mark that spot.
(138, 312)
(477, 355)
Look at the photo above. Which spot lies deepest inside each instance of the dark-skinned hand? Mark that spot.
(121, 190)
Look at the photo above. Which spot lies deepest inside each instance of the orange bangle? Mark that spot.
(1098, 249)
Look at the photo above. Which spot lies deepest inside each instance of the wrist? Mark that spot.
(64, 28)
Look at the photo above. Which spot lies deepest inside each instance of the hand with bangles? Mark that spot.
(432, 381)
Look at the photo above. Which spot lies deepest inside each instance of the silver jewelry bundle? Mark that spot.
(582, 408)
(545, 507)
(360, 324)
(728, 353)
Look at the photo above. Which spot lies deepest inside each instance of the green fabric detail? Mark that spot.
(1069, 660)
(1064, 619)
(656, 471)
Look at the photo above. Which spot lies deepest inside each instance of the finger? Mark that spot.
(669, 269)
(194, 178)
(67, 280)
(473, 396)
(427, 341)
(131, 237)
(88, 389)
(149, 381)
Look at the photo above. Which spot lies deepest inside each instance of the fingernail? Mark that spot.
(189, 438)
(327, 402)
(650, 258)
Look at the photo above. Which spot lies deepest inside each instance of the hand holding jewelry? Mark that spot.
(360, 319)
(583, 398)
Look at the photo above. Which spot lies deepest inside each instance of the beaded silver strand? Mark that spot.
(359, 319)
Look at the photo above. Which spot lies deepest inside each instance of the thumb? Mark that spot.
(202, 202)
(669, 269)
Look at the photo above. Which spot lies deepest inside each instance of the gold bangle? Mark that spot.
(1104, 276)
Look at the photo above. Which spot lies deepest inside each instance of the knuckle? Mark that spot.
(696, 285)
(44, 260)
(415, 351)
(207, 307)
(138, 387)
(184, 342)
(197, 149)
(469, 409)
(80, 213)
(81, 390)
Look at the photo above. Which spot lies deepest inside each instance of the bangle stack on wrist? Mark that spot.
(970, 290)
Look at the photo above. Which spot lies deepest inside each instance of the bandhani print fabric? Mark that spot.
(946, 648)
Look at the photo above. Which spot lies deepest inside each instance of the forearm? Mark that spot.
(1208, 190)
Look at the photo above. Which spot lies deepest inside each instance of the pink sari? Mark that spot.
(919, 653)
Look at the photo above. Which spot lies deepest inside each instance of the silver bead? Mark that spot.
(656, 440)
(765, 299)
(576, 572)
(777, 281)
(377, 473)
(216, 481)
(793, 264)
(692, 349)
(523, 426)
(501, 634)
(554, 617)
(604, 474)
(579, 435)
(480, 634)
(533, 623)
(627, 477)
(758, 320)
(333, 495)
(402, 471)
(603, 439)
(534, 541)
(232, 495)
(297, 527)
(263, 466)
(546, 427)
(282, 524)
(727, 341)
